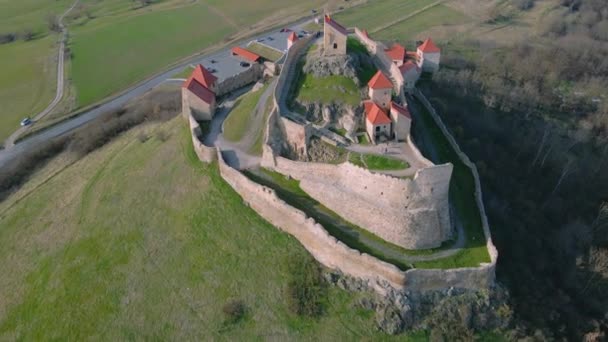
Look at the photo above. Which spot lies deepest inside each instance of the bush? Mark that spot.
(306, 289)
(234, 311)
(7, 38)
(142, 137)
(162, 136)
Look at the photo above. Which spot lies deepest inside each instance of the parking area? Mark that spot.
(224, 65)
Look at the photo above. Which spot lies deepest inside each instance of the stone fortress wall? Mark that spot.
(251, 75)
(411, 213)
(325, 248)
(386, 64)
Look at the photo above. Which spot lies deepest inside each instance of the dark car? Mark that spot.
(245, 64)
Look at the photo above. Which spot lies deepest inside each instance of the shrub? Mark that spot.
(306, 289)
(234, 311)
(7, 38)
(142, 137)
(162, 135)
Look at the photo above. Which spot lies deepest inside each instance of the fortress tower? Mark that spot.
(334, 40)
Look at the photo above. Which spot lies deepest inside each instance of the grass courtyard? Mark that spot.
(377, 162)
(94, 251)
(326, 90)
(241, 116)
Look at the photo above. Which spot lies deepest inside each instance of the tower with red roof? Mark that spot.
(380, 90)
(428, 56)
(334, 38)
(291, 39)
(198, 94)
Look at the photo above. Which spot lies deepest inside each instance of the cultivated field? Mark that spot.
(375, 14)
(140, 240)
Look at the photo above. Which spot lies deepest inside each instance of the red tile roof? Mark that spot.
(292, 37)
(375, 115)
(379, 81)
(407, 66)
(401, 110)
(428, 46)
(239, 51)
(396, 53)
(335, 25)
(204, 76)
(199, 90)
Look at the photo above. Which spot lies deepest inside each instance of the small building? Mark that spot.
(428, 56)
(411, 74)
(377, 123)
(402, 121)
(380, 90)
(396, 54)
(246, 54)
(197, 97)
(291, 39)
(334, 39)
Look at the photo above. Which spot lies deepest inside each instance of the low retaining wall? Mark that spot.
(466, 161)
(205, 153)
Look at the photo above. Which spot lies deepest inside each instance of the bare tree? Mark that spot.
(52, 21)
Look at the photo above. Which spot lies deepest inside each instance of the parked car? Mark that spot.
(26, 121)
(212, 70)
(270, 38)
(213, 61)
(245, 64)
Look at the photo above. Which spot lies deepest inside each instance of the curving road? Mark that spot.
(60, 79)
(12, 151)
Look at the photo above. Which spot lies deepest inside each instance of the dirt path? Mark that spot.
(60, 78)
(257, 119)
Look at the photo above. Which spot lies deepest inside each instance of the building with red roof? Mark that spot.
(402, 121)
(377, 123)
(396, 54)
(291, 39)
(245, 54)
(334, 38)
(198, 99)
(411, 74)
(380, 89)
(429, 56)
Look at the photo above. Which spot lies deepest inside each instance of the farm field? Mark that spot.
(117, 259)
(408, 31)
(375, 14)
(27, 84)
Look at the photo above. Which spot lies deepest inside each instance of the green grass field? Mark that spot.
(27, 84)
(330, 89)
(408, 30)
(377, 13)
(95, 252)
(264, 51)
(240, 117)
(376, 162)
(256, 148)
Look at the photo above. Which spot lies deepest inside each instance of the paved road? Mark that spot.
(10, 152)
(60, 79)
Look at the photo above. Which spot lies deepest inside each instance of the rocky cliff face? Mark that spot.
(336, 115)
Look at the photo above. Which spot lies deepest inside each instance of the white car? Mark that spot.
(26, 122)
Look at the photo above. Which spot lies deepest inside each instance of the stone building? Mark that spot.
(291, 39)
(198, 97)
(411, 74)
(335, 36)
(377, 124)
(428, 56)
(401, 121)
(380, 90)
(396, 54)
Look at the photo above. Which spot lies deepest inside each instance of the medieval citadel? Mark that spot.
(409, 208)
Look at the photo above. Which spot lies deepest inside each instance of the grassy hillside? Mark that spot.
(140, 240)
(375, 14)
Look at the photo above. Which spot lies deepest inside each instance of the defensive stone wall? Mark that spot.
(412, 213)
(387, 65)
(251, 75)
(205, 153)
(465, 160)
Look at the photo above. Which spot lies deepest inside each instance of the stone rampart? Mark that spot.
(466, 161)
(323, 247)
(412, 213)
(377, 50)
(251, 75)
(205, 153)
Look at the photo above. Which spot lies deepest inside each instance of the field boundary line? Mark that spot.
(415, 13)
